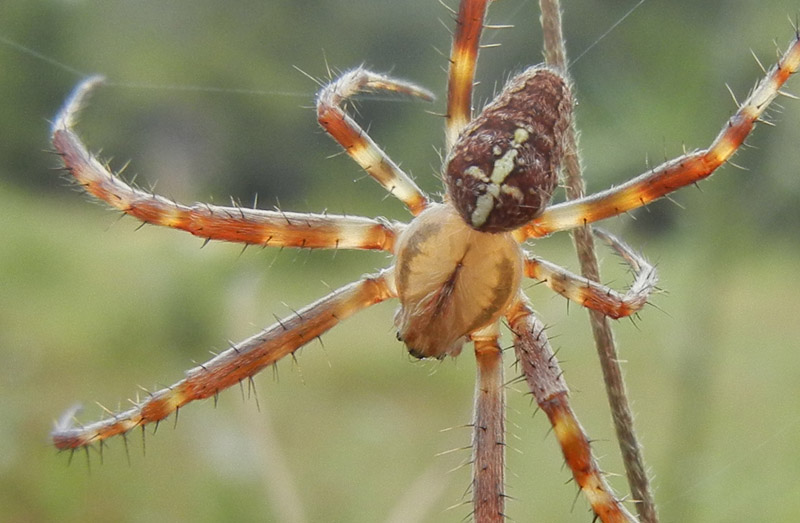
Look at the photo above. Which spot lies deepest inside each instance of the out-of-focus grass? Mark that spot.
(89, 308)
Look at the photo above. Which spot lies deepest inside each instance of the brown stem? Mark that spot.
(555, 55)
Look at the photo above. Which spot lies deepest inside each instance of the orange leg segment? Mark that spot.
(544, 378)
(593, 295)
(343, 129)
(463, 58)
(674, 174)
(241, 361)
(234, 224)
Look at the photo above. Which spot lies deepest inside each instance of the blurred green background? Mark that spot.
(206, 103)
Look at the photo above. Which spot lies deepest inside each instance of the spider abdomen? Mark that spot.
(451, 280)
(502, 170)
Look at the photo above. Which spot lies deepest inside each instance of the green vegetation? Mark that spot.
(89, 307)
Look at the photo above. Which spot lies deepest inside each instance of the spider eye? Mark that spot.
(503, 169)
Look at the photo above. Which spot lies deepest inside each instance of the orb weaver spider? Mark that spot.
(458, 264)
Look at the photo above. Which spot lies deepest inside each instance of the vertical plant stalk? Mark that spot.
(555, 56)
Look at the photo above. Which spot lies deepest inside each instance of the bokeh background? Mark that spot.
(205, 101)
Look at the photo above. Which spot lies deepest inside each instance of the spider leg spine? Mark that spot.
(233, 365)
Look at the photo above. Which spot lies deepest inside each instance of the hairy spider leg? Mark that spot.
(593, 295)
(463, 59)
(241, 361)
(544, 378)
(673, 174)
(357, 143)
(488, 428)
(212, 222)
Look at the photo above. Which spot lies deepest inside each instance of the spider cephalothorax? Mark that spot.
(458, 264)
(451, 280)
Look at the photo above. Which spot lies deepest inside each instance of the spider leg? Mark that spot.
(463, 57)
(488, 426)
(239, 362)
(333, 118)
(544, 377)
(234, 224)
(676, 173)
(594, 295)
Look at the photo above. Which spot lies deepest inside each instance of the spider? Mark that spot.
(458, 265)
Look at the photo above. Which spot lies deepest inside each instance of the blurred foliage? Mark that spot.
(204, 99)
